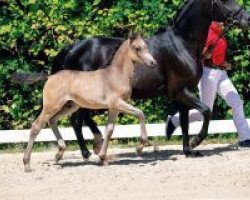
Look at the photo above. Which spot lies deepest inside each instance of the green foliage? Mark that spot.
(32, 32)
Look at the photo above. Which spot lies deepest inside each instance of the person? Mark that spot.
(215, 80)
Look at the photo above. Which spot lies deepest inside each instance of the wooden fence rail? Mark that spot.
(121, 131)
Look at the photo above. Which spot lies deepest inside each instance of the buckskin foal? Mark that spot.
(107, 88)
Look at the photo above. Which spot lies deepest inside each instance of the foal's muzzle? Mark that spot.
(152, 63)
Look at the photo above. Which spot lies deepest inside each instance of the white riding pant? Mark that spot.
(215, 81)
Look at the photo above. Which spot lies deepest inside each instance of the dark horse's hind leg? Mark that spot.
(187, 101)
(77, 122)
(98, 139)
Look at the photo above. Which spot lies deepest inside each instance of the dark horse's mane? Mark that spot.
(174, 19)
(160, 29)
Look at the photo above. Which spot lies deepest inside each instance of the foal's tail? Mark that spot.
(25, 78)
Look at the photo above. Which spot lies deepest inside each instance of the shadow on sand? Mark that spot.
(149, 157)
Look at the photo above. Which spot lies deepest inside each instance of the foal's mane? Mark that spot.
(117, 52)
(116, 47)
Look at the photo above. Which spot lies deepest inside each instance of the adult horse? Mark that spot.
(178, 51)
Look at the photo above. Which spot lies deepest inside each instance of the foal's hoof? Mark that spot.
(104, 163)
(104, 160)
(146, 143)
(139, 149)
(195, 142)
(97, 145)
(58, 157)
(193, 154)
(27, 169)
(156, 148)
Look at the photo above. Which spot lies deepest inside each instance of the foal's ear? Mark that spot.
(132, 36)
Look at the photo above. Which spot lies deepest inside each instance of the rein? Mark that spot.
(211, 48)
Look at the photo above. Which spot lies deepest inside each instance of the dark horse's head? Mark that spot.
(230, 12)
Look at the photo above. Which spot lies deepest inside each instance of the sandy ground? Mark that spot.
(223, 173)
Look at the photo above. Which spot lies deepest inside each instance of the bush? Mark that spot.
(32, 32)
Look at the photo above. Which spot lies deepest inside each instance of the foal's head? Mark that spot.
(138, 51)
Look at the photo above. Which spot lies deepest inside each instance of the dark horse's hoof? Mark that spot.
(193, 154)
(86, 155)
(195, 142)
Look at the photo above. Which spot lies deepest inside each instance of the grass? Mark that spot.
(121, 143)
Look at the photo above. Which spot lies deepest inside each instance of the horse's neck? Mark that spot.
(193, 24)
(122, 65)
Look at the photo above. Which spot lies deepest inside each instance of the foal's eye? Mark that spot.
(137, 48)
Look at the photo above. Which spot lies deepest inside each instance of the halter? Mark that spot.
(230, 20)
(228, 15)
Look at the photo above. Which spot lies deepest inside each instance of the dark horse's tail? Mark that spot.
(25, 78)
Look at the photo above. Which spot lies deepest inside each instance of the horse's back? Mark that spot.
(87, 55)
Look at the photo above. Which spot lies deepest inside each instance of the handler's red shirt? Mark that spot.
(220, 49)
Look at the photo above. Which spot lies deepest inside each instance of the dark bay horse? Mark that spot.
(178, 52)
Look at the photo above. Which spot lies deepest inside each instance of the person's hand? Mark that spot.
(207, 56)
(226, 66)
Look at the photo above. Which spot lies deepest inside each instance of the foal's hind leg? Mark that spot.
(36, 128)
(66, 110)
(97, 145)
(123, 106)
(112, 116)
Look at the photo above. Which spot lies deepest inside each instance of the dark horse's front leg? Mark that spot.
(77, 122)
(184, 127)
(186, 101)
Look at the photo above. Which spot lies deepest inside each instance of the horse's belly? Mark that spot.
(147, 82)
(91, 101)
(92, 104)
(89, 94)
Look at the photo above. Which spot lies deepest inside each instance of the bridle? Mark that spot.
(230, 21)
(229, 16)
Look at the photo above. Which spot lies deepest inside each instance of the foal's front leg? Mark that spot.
(123, 106)
(112, 116)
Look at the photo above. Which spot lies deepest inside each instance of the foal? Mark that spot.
(108, 88)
